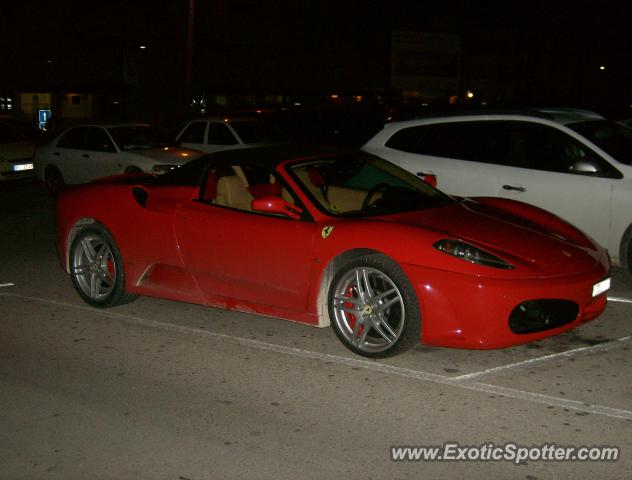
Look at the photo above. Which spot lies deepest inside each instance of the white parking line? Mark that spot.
(7, 285)
(354, 362)
(569, 353)
(620, 299)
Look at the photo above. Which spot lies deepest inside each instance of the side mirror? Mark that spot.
(273, 204)
(583, 167)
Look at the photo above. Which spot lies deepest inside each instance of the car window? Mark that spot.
(237, 185)
(97, 139)
(219, 134)
(611, 137)
(73, 138)
(258, 132)
(504, 142)
(194, 133)
(454, 140)
(134, 137)
(541, 147)
(363, 185)
(9, 134)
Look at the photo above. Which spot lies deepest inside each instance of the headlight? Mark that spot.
(470, 253)
(162, 168)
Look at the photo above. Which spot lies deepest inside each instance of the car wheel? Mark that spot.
(630, 255)
(373, 307)
(96, 268)
(54, 180)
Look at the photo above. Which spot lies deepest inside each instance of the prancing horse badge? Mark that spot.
(326, 231)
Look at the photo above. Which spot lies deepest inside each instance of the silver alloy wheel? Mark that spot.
(368, 309)
(94, 267)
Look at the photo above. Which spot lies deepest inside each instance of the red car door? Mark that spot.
(263, 259)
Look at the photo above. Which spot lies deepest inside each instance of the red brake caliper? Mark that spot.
(352, 293)
(110, 267)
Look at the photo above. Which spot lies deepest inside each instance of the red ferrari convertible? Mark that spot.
(341, 238)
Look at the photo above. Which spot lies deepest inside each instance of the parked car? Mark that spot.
(322, 237)
(86, 152)
(573, 163)
(16, 153)
(214, 134)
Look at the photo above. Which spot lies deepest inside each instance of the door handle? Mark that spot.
(516, 189)
(85, 155)
(56, 154)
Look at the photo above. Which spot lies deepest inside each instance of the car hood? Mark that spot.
(173, 155)
(16, 151)
(508, 234)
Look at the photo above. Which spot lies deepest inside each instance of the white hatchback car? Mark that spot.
(87, 152)
(214, 134)
(574, 163)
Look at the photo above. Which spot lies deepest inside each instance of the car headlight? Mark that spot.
(162, 168)
(470, 253)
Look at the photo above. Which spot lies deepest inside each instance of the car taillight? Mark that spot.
(429, 178)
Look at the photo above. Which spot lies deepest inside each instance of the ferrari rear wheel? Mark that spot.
(96, 268)
(373, 307)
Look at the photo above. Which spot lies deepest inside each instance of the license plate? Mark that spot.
(22, 166)
(599, 288)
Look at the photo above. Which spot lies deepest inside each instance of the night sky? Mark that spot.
(548, 50)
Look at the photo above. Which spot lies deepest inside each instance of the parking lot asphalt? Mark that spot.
(160, 389)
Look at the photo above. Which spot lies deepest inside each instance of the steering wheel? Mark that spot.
(369, 196)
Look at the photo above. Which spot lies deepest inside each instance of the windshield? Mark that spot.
(614, 138)
(362, 185)
(134, 137)
(258, 132)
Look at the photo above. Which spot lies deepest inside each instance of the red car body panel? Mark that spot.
(178, 248)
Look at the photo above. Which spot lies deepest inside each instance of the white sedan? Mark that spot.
(84, 153)
(214, 134)
(573, 163)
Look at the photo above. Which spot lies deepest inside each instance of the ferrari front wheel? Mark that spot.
(373, 307)
(96, 268)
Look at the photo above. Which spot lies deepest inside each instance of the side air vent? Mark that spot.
(140, 195)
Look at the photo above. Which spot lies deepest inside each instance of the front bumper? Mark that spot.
(16, 169)
(464, 311)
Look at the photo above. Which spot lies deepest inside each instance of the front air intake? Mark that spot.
(539, 315)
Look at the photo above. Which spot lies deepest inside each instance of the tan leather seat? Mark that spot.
(349, 199)
(232, 191)
(285, 195)
(303, 175)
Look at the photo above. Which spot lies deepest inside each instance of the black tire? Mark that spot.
(96, 268)
(380, 321)
(625, 249)
(54, 180)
